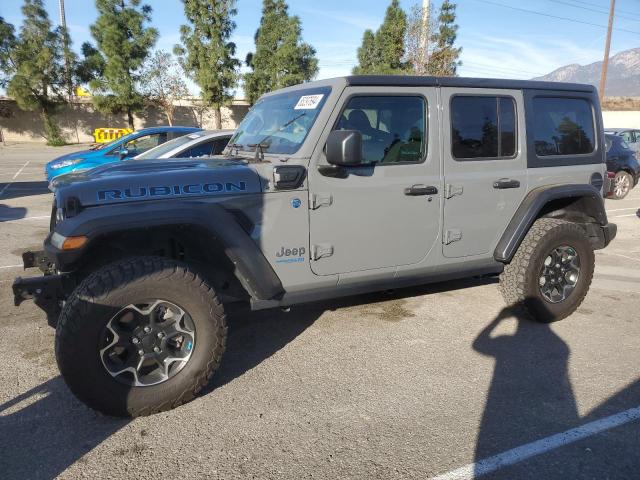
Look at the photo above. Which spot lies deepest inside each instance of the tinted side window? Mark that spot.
(219, 146)
(563, 126)
(146, 142)
(201, 150)
(393, 128)
(483, 127)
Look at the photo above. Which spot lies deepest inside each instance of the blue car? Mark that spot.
(126, 147)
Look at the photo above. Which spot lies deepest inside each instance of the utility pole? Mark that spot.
(67, 66)
(425, 33)
(607, 47)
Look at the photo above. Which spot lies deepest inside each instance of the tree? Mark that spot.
(7, 47)
(281, 58)
(123, 44)
(443, 61)
(33, 66)
(385, 55)
(368, 60)
(163, 83)
(208, 54)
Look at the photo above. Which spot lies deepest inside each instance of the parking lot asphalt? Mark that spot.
(440, 380)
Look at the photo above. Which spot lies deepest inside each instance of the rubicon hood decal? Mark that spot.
(169, 190)
(155, 181)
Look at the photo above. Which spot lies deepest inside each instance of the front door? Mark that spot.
(484, 167)
(382, 213)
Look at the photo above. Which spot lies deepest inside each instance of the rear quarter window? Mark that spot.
(563, 126)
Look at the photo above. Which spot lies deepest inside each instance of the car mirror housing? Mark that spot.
(344, 148)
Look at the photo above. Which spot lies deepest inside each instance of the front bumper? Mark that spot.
(48, 291)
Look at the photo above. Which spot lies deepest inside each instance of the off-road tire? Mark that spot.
(625, 177)
(519, 280)
(102, 294)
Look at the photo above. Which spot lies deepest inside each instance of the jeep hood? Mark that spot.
(145, 180)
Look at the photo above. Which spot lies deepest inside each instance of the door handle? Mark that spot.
(416, 190)
(505, 183)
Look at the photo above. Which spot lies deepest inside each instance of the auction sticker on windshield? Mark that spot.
(308, 102)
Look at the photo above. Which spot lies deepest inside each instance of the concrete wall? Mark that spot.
(621, 119)
(80, 119)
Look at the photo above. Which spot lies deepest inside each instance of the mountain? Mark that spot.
(623, 74)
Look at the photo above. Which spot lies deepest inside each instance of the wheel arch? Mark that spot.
(203, 233)
(579, 203)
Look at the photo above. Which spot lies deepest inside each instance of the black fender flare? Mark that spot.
(588, 201)
(251, 267)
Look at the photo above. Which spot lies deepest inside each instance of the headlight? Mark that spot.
(66, 163)
(67, 243)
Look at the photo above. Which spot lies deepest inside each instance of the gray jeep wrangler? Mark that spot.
(327, 189)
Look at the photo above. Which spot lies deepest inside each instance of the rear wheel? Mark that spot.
(140, 336)
(622, 184)
(551, 272)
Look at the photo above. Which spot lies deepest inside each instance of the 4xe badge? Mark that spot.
(291, 255)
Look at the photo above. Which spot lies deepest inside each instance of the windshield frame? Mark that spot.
(324, 90)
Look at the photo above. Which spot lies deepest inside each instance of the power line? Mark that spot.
(627, 12)
(593, 9)
(554, 16)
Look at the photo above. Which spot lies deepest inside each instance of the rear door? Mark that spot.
(484, 167)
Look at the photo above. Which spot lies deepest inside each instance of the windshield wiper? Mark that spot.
(237, 146)
(260, 146)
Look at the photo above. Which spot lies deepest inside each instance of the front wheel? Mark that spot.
(551, 272)
(140, 336)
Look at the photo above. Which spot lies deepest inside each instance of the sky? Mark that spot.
(500, 38)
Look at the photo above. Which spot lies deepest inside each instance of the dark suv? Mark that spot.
(622, 165)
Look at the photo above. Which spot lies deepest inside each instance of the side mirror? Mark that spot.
(124, 153)
(344, 148)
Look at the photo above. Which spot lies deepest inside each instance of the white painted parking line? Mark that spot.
(628, 215)
(622, 209)
(524, 452)
(10, 266)
(14, 177)
(618, 255)
(13, 220)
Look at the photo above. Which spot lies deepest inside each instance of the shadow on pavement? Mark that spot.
(255, 336)
(530, 395)
(8, 213)
(530, 398)
(23, 189)
(45, 430)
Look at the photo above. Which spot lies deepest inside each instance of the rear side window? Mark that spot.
(483, 127)
(563, 126)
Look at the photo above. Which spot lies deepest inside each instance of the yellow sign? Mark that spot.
(81, 92)
(105, 135)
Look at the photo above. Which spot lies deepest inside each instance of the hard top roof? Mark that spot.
(462, 82)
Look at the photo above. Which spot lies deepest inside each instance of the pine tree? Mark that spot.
(207, 54)
(123, 43)
(34, 63)
(443, 61)
(281, 58)
(368, 60)
(385, 55)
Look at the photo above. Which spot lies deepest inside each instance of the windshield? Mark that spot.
(157, 152)
(280, 123)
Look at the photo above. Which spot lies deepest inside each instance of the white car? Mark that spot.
(198, 144)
